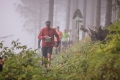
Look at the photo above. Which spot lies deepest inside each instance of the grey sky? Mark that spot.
(11, 23)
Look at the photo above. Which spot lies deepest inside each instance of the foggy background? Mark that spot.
(12, 24)
(13, 21)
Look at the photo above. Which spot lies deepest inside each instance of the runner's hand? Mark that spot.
(57, 44)
(46, 36)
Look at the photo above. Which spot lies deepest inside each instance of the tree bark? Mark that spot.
(98, 13)
(51, 11)
(77, 25)
(73, 21)
(108, 13)
(93, 13)
(38, 26)
(68, 15)
(84, 17)
(40, 16)
(56, 12)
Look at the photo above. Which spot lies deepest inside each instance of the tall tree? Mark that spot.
(98, 13)
(77, 24)
(31, 11)
(51, 11)
(40, 15)
(73, 21)
(68, 15)
(93, 13)
(84, 17)
(56, 14)
(114, 11)
(108, 13)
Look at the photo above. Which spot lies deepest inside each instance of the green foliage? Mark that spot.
(23, 65)
(90, 60)
(85, 61)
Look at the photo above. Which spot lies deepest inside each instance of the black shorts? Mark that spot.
(46, 50)
(64, 43)
(1, 67)
(56, 43)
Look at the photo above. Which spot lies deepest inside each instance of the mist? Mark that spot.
(23, 19)
(11, 25)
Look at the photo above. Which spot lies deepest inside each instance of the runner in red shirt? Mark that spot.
(60, 37)
(47, 36)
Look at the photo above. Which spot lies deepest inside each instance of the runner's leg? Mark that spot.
(49, 55)
(44, 55)
(59, 47)
(56, 48)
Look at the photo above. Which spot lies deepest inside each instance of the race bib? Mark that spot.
(48, 39)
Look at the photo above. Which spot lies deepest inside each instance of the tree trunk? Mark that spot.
(93, 13)
(51, 11)
(68, 15)
(39, 23)
(40, 16)
(77, 25)
(108, 13)
(38, 26)
(56, 12)
(84, 17)
(73, 21)
(98, 13)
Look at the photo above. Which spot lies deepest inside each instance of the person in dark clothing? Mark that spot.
(1, 64)
(57, 50)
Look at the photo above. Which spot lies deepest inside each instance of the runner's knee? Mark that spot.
(49, 55)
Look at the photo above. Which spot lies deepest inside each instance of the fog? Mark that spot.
(12, 24)
(13, 18)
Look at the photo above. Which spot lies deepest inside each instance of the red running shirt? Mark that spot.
(60, 35)
(48, 32)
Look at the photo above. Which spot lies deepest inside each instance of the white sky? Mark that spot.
(11, 23)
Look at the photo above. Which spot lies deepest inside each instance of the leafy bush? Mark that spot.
(90, 60)
(85, 61)
(23, 65)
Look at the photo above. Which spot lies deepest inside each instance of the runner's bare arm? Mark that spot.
(57, 36)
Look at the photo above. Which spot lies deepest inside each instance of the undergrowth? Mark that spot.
(86, 60)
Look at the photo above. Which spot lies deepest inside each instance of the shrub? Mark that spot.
(23, 65)
(90, 60)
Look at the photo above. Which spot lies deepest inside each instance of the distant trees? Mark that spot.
(30, 10)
